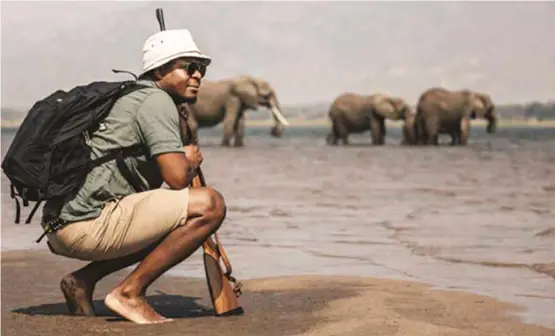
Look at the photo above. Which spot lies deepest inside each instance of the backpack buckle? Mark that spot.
(24, 196)
(51, 227)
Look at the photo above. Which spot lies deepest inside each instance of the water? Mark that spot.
(479, 218)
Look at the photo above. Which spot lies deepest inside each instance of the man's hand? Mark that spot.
(194, 156)
(178, 170)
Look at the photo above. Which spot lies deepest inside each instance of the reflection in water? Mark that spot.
(478, 218)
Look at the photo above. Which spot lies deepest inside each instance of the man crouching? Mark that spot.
(114, 225)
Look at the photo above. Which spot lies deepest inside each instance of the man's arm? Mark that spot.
(159, 130)
(176, 170)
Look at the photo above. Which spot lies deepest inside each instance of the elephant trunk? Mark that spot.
(491, 118)
(279, 118)
(492, 124)
(409, 136)
(407, 113)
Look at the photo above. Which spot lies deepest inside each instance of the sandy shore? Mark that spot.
(300, 305)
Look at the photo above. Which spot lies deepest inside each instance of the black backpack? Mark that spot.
(49, 156)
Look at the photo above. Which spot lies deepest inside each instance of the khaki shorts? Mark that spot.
(125, 226)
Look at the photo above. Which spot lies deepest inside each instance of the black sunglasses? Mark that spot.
(192, 67)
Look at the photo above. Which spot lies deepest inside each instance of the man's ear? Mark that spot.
(158, 74)
(164, 69)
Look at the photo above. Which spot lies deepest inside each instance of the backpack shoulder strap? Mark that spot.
(133, 150)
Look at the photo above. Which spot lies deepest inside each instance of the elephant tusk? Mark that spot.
(280, 116)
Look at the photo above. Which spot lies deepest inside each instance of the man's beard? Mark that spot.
(179, 99)
(190, 100)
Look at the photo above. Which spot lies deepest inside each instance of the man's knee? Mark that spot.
(215, 205)
(208, 202)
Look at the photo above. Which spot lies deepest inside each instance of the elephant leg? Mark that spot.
(377, 127)
(331, 138)
(339, 130)
(407, 135)
(465, 129)
(432, 131)
(454, 139)
(343, 134)
(382, 132)
(232, 107)
(433, 139)
(456, 136)
(412, 133)
(240, 131)
(420, 135)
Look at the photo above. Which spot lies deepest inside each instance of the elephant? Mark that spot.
(227, 101)
(443, 111)
(409, 131)
(357, 113)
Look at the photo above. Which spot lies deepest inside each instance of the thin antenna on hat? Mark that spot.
(162, 24)
(125, 71)
(160, 18)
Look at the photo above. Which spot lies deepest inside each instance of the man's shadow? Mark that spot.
(171, 306)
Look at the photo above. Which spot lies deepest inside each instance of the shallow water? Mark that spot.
(479, 218)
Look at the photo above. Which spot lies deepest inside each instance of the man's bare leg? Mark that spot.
(78, 286)
(206, 212)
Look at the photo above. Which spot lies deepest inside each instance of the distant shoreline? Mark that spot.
(12, 124)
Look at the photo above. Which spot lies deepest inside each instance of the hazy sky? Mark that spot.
(309, 51)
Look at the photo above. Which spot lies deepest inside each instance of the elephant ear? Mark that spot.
(245, 88)
(264, 88)
(386, 107)
(478, 106)
(488, 103)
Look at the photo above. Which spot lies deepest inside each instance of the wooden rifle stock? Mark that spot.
(224, 298)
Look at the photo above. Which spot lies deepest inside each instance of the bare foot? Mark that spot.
(78, 295)
(135, 309)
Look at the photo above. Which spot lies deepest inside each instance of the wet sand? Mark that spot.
(478, 219)
(301, 305)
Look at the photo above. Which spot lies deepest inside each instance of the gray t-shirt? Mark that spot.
(146, 116)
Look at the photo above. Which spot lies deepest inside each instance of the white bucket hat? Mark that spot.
(168, 45)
